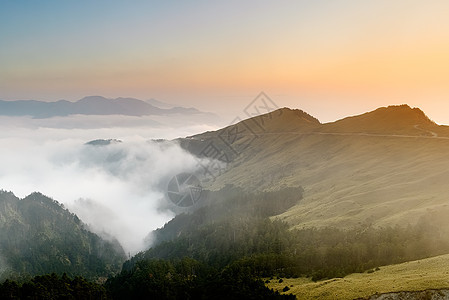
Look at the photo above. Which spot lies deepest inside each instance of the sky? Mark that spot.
(329, 58)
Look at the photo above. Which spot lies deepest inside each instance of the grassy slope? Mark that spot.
(350, 179)
(431, 273)
(386, 167)
(371, 180)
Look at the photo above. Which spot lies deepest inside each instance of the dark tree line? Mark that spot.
(188, 279)
(222, 249)
(52, 287)
(234, 228)
(270, 248)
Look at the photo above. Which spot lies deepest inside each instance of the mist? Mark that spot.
(3, 265)
(118, 190)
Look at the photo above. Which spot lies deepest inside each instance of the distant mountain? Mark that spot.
(103, 142)
(92, 105)
(386, 167)
(38, 236)
(159, 104)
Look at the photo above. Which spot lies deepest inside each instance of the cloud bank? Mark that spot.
(118, 189)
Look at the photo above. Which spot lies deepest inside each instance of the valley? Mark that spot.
(224, 150)
(317, 208)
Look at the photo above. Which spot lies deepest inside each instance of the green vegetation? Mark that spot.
(198, 253)
(52, 287)
(383, 168)
(251, 244)
(363, 175)
(334, 243)
(224, 248)
(188, 279)
(230, 204)
(269, 248)
(39, 236)
(420, 275)
(227, 233)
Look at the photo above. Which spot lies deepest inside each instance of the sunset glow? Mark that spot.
(348, 56)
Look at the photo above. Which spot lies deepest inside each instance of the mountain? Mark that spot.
(38, 236)
(243, 138)
(400, 119)
(301, 201)
(385, 167)
(92, 105)
(159, 104)
(103, 142)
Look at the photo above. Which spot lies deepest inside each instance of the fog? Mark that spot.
(119, 189)
(3, 265)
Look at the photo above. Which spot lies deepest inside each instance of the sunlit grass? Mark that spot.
(431, 273)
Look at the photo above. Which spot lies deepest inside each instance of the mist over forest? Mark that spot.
(127, 207)
(118, 189)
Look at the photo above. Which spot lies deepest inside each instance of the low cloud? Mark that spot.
(118, 189)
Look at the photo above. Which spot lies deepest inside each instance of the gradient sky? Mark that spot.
(329, 58)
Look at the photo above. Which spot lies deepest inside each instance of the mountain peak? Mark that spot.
(280, 120)
(394, 119)
(93, 99)
(404, 111)
(297, 113)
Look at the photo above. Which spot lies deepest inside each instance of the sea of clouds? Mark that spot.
(117, 190)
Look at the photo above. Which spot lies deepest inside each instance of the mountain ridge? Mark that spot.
(385, 167)
(394, 119)
(90, 105)
(38, 235)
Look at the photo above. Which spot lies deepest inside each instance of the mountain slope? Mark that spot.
(386, 167)
(38, 236)
(383, 168)
(420, 275)
(244, 138)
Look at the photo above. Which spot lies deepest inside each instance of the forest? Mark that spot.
(229, 246)
(38, 236)
(236, 233)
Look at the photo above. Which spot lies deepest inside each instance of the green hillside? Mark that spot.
(298, 202)
(233, 233)
(39, 236)
(386, 167)
(420, 275)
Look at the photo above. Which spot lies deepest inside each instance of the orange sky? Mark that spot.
(331, 59)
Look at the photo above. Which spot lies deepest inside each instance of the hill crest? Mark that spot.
(384, 167)
(394, 119)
